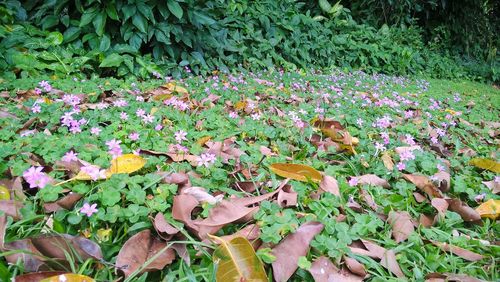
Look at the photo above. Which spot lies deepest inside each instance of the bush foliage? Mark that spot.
(139, 37)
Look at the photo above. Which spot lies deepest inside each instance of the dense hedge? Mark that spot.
(140, 37)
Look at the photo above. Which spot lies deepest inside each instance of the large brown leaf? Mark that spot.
(451, 277)
(323, 270)
(289, 250)
(372, 179)
(37, 276)
(139, 249)
(424, 184)
(11, 208)
(467, 213)
(402, 225)
(54, 246)
(329, 184)
(463, 253)
(390, 263)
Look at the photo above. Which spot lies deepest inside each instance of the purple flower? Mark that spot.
(140, 113)
(35, 177)
(407, 155)
(180, 136)
(94, 172)
(158, 127)
(38, 91)
(353, 181)
(70, 156)
(148, 118)
(36, 108)
(134, 136)
(113, 144)
(379, 146)
(95, 131)
(401, 166)
(89, 210)
(206, 159)
(123, 116)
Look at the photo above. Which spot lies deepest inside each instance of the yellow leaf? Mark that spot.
(172, 86)
(127, 163)
(203, 140)
(237, 261)
(240, 105)
(82, 176)
(68, 277)
(4, 193)
(153, 110)
(489, 209)
(161, 97)
(487, 164)
(296, 171)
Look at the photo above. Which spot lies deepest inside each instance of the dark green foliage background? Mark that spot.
(449, 39)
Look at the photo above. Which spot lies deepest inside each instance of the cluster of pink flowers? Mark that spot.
(94, 172)
(206, 159)
(36, 178)
(114, 148)
(180, 136)
(177, 104)
(45, 85)
(70, 156)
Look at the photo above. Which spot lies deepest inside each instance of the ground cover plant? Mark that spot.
(290, 176)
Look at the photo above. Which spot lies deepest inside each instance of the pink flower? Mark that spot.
(139, 99)
(255, 116)
(75, 129)
(120, 103)
(36, 108)
(115, 152)
(180, 136)
(353, 181)
(140, 113)
(95, 131)
(233, 115)
(94, 172)
(70, 156)
(123, 116)
(379, 147)
(89, 210)
(45, 84)
(134, 136)
(206, 159)
(35, 177)
(409, 140)
(158, 127)
(38, 91)
(406, 155)
(113, 144)
(401, 166)
(359, 122)
(148, 118)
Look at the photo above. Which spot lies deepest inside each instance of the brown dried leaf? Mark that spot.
(367, 198)
(463, 253)
(390, 263)
(329, 184)
(424, 184)
(372, 179)
(140, 248)
(445, 277)
(182, 208)
(289, 250)
(443, 180)
(54, 246)
(287, 197)
(493, 185)
(387, 160)
(11, 208)
(467, 213)
(163, 227)
(31, 258)
(37, 276)
(67, 202)
(323, 270)
(402, 225)
(441, 205)
(355, 266)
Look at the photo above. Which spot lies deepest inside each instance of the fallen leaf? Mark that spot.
(329, 184)
(127, 163)
(355, 266)
(367, 198)
(486, 164)
(402, 225)
(201, 195)
(182, 208)
(441, 205)
(445, 277)
(424, 184)
(163, 227)
(237, 261)
(67, 202)
(141, 248)
(467, 213)
(323, 270)
(68, 277)
(37, 276)
(296, 171)
(287, 197)
(489, 209)
(389, 261)
(443, 180)
(463, 253)
(493, 185)
(11, 208)
(372, 179)
(247, 186)
(387, 160)
(400, 150)
(55, 246)
(30, 257)
(295, 245)
(250, 232)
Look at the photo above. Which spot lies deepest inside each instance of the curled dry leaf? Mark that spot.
(486, 164)
(163, 227)
(37, 276)
(467, 213)
(11, 208)
(402, 225)
(289, 250)
(31, 258)
(141, 248)
(372, 179)
(237, 261)
(387, 257)
(389, 261)
(442, 180)
(55, 246)
(424, 184)
(201, 195)
(445, 277)
(67, 202)
(250, 232)
(296, 171)
(329, 184)
(355, 266)
(400, 150)
(68, 277)
(368, 199)
(441, 205)
(323, 270)
(494, 186)
(463, 253)
(247, 186)
(182, 208)
(287, 197)
(387, 160)
(489, 209)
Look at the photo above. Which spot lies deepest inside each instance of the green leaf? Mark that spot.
(113, 60)
(140, 22)
(49, 22)
(325, 5)
(175, 8)
(88, 16)
(110, 197)
(100, 23)
(105, 43)
(71, 34)
(111, 11)
(55, 38)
